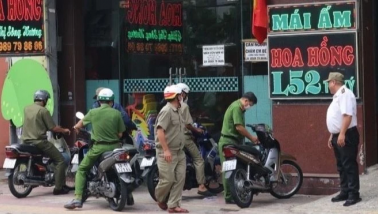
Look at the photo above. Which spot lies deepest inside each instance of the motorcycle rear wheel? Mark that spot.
(120, 202)
(242, 197)
(152, 181)
(12, 182)
(293, 191)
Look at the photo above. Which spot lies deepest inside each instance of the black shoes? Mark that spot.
(62, 191)
(350, 202)
(339, 197)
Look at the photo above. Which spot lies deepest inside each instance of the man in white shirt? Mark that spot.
(344, 138)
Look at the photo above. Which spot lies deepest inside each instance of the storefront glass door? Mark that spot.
(163, 39)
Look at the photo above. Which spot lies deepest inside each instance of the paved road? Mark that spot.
(42, 201)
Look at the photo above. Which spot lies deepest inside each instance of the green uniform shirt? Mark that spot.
(106, 123)
(37, 121)
(232, 117)
(171, 121)
(187, 118)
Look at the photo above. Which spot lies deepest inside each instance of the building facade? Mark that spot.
(138, 47)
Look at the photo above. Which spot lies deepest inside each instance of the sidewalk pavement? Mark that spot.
(263, 203)
(368, 205)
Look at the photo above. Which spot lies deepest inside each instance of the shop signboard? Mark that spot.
(154, 27)
(255, 52)
(312, 17)
(213, 55)
(300, 59)
(21, 28)
(299, 64)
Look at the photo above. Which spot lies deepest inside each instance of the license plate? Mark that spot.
(123, 167)
(229, 165)
(147, 162)
(9, 163)
(75, 159)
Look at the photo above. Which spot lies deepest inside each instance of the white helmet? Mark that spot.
(184, 87)
(106, 94)
(171, 91)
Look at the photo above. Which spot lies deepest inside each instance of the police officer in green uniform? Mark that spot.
(171, 160)
(37, 121)
(233, 130)
(198, 161)
(107, 129)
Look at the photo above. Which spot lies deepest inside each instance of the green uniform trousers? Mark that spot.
(60, 166)
(198, 161)
(226, 187)
(89, 160)
(171, 178)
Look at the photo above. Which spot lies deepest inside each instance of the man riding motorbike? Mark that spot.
(37, 121)
(233, 130)
(198, 161)
(107, 126)
(125, 117)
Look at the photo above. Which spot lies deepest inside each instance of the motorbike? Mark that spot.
(27, 167)
(209, 152)
(264, 168)
(112, 175)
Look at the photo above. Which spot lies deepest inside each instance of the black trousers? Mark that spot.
(347, 166)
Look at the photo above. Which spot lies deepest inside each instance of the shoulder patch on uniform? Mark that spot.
(343, 90)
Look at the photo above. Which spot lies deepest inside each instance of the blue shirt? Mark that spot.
(126, 119)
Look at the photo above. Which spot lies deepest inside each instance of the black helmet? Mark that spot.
(41, 95)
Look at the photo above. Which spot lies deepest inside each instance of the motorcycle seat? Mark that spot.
(106, 155)
(248, 149)
(130, 149)
(28, 148)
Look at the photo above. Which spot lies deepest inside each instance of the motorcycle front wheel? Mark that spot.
(242, 197)
(70, 177)
(289, 182)
(18, 189)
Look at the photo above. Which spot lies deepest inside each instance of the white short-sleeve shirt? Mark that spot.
(344, 102)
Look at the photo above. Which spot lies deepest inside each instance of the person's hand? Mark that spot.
(255, 140)
(341, 140)
(201, 131)
(167, 156)
(330, 142)
(67, 131)
(76, 130)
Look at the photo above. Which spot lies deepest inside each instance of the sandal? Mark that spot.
(177, 210)
(163, 205)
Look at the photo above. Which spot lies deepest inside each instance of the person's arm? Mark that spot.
(50, 124)
(162, 140)
(83, 122)
(237, 117)
(189, 121)
(346, 108)
(163, 120)
(121, 126)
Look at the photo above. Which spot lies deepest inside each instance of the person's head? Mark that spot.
(172, 94)
(185, 91)
(41, 96)
(335, 81)
(97, 91)
(106, 96)
(248, 100)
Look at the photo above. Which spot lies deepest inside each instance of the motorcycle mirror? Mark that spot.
(79, 115)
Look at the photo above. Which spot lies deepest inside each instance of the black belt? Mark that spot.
(230, 137)
(351, 129)
(106, 143)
